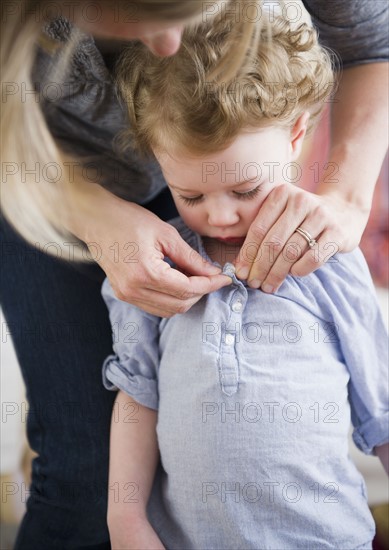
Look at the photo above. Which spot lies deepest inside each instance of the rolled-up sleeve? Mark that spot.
(357, 30)
(133, 367)
(372, 433)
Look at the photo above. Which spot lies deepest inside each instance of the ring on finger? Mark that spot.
(307, 236)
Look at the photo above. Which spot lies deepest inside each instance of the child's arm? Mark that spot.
(383, 454)
(133, 461)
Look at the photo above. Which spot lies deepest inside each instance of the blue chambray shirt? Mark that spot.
(254, 395)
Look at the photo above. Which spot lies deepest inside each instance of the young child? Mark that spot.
(254, 391)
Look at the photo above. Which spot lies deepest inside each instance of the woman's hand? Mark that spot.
(130, 244)
(273, 249)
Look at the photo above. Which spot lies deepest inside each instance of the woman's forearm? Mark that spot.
(359, 127)
(87, 202)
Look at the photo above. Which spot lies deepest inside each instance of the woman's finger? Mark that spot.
(325, 248)
(160, 289)
(272, 249)
(184, 256)
(301, 244)
(162, 304)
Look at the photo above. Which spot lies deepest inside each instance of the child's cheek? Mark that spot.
(190, 216)
(266, 189)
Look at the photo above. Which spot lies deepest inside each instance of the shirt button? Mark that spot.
(237, 306)
(229, 269)
(230, 339)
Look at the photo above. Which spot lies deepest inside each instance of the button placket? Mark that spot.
(229, 339)
(229, 363)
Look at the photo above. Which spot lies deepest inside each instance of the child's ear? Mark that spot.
(298, 134)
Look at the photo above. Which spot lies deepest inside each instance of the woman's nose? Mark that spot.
(165, 43)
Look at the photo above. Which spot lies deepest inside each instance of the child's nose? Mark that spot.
(222, 216)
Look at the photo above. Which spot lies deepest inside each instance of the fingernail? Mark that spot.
(255, 283)
(267, 288)
(243, 273)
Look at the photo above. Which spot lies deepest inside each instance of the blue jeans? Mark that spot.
(62, 334)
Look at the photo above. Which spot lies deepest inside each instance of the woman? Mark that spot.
(58, 320)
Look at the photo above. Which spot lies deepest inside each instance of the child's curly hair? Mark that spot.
(175, 104)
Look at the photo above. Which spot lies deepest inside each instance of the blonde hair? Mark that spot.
(175, 103)
(37, 204)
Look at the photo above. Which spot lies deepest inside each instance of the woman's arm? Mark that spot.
(359, 125)
(131, 244)
(132, 465)
(358, 146)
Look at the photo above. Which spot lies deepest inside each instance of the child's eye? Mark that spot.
(190, 201)
(248, 194)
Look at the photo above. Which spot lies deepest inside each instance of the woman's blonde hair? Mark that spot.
(174, 105)
(35, 187)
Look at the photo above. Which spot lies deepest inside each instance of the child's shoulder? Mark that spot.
(340, 289)
(343, 271)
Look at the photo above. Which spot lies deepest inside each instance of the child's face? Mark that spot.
(219, 196)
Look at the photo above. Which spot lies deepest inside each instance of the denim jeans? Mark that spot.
(62, 334)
